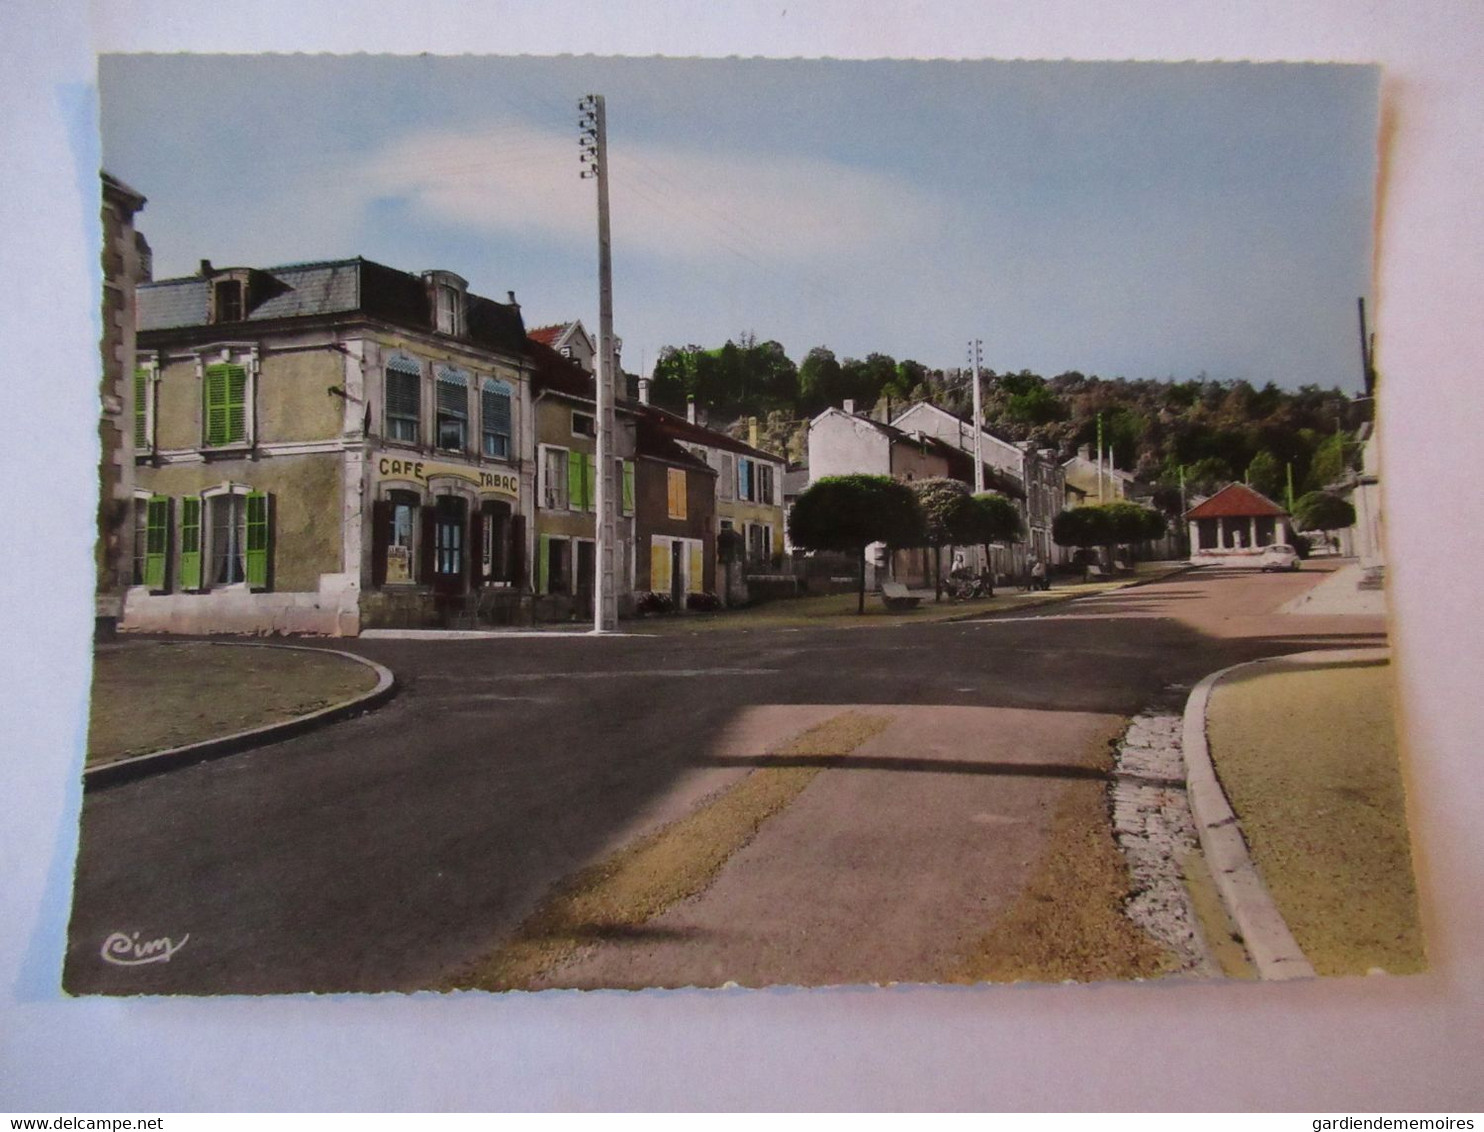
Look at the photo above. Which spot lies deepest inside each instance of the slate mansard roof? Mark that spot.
(320, 290)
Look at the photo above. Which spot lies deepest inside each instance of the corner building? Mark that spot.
(326, 447)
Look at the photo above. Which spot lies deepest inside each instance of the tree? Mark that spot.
(821, 383)
(848, 513)
(1328, 463)
(995, 520)
(1323, 511)
(1082, 527)
(1265, 474)
(948, 519)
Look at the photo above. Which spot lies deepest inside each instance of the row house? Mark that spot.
(1097, 480)
(565, 399)
(322, 447)
(675, 495)
(748, 482)
(1031, 476)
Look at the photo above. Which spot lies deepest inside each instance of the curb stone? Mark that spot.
(1274, 951)
(140, 766)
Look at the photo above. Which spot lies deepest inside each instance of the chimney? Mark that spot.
(690, 409)
(644, 391)
(886, 410)
(207, 271)
(511, 296)
(752, 431)
(1084, 452)
(849, 406)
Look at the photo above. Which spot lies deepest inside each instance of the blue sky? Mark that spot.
(1136, 220)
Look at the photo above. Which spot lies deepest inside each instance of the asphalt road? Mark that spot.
(381, 852)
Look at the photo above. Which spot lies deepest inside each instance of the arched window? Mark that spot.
(494, 408)
(453, 410)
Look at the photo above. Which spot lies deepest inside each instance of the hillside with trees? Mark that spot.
(1216, 431)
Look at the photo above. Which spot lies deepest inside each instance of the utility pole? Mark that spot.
(1100, 457)
(976, 355)
(594, 156)
(1367, 352)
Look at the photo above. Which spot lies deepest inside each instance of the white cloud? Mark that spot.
(666, 202)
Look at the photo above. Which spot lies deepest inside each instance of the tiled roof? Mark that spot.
(678, 428)
(331, 287)
(548, 335)
(1235, 500)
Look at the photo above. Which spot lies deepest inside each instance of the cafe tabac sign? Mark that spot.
(489, 481)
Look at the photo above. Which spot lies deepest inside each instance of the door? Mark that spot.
(449, 547)
(677, 573)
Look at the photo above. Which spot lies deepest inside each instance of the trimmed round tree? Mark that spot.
(1323, 511)
(996, 519)
(849, 513)
(1082, 527)
(948, 519)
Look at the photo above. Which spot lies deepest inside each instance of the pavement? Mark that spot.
(383, 852)
(926, 833)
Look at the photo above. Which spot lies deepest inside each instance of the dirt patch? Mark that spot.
(151, 695)
(618, 895)
(1069, 921)
(1308, 758)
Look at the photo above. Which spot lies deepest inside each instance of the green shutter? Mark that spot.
(236, 403)
(628, 487)
(257, 540)
(156, 541)
(542, 552)
(577, 480)
(225, 395)
(141, 409)
(591, 486)
(190, 543)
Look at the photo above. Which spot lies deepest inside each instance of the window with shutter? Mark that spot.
(628, 487)
(591, 485)
(226, 404)
(577, 486)
(403, 399)
(258, 532)
(495, 400)
(554, 486)
(190, 543)
(453, 410)
(675, 482)
(744, 479)
(157, 541)
(727, 481)
(141, 410)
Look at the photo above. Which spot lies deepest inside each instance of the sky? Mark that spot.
(1123, 219)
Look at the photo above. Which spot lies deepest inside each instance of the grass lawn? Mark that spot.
(1309, 760)
(152, 695)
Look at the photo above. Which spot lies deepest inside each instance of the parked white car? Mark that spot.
(1279, 556)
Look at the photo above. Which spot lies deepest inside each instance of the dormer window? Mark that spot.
(227, 295)
(448, 299)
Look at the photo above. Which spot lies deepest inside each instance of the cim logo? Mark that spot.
(126, 950)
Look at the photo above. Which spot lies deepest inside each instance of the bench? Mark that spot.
(894, 595)
(1095, 572)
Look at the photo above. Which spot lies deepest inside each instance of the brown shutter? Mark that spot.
(381, 533)
(476, 549)
(426, 534)
(517, 554)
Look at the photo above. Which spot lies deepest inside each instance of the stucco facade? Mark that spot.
(328, 446)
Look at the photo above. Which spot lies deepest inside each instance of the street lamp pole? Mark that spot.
(594, 142)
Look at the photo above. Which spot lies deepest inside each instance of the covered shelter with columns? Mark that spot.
(1232, 526)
